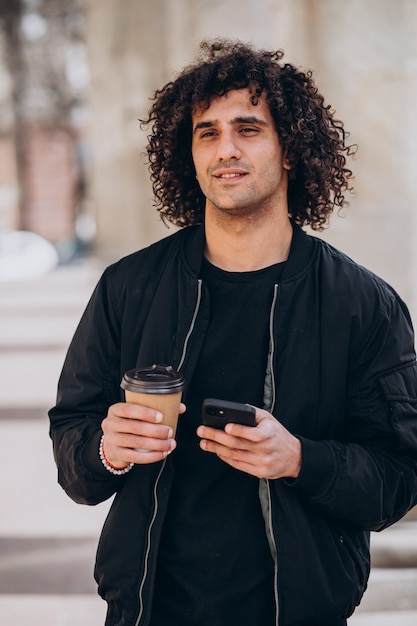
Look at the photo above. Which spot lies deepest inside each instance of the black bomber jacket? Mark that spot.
(341, 376)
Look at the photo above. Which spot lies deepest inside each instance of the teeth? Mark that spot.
(230, 175)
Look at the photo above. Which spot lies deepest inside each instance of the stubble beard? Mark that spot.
(248, 210)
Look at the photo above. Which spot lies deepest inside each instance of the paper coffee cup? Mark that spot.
(157, 387)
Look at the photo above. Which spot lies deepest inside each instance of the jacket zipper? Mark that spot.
(272, 350)
(155, 490)
(148, 547)
(271, 531)
(190, 330)
(271, 408)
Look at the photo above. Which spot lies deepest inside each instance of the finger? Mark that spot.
(128, 410)
(145, 457)
(140, 442)
(214, 434)
(239, 459)
(226, 452)
(247, 468)
(151, 450)
(249, 433)
(137, 427)
(267, 426)
(136, 411)
(242, 438)
(118, 431)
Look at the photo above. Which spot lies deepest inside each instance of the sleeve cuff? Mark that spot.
(91, 456)
(317, 468)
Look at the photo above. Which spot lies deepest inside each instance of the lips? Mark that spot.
(229, 174)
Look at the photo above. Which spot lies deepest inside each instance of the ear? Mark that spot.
(286, 163)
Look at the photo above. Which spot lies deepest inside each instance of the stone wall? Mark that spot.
(50, 183)
(9, 195)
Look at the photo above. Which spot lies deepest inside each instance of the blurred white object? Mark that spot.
(25, 255)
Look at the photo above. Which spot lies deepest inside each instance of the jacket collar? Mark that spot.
(301, 250)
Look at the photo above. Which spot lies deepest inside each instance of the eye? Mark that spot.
(207, 133)
(247, 130)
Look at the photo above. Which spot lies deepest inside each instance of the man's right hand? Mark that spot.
(135, 434)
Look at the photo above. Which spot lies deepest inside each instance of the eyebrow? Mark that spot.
(250, 119)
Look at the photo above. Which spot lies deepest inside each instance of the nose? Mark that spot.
(227, 147)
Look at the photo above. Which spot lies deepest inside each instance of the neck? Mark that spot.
(242, 246)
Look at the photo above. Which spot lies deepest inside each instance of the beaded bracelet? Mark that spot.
(118, 471)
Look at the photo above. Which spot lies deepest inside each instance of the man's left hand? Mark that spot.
(267, 450)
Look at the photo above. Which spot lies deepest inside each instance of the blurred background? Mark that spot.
(75, 77)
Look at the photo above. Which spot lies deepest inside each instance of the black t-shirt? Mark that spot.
(214, 564)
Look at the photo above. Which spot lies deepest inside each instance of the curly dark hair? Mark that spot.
(314, 142)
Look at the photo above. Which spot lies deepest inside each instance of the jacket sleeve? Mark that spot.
(87, 387)
(370, 477)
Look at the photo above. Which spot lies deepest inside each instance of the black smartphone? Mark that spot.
(218, 413)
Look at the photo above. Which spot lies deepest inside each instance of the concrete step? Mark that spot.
(44, 312)
(52, 610)
(47, 565)
(386, 618)
(37, 321)
(396, 547)
(390, 589)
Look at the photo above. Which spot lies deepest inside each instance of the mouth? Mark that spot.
(229, 175)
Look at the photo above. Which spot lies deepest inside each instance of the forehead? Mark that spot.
(235, 103)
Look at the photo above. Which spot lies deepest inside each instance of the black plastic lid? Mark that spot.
(153, 379)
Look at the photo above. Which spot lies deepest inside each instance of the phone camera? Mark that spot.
(211, 410)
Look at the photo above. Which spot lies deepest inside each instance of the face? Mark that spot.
(237, 156)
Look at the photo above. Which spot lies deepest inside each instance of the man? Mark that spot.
(256, 526)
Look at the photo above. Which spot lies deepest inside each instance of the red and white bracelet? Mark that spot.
(118, 471)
